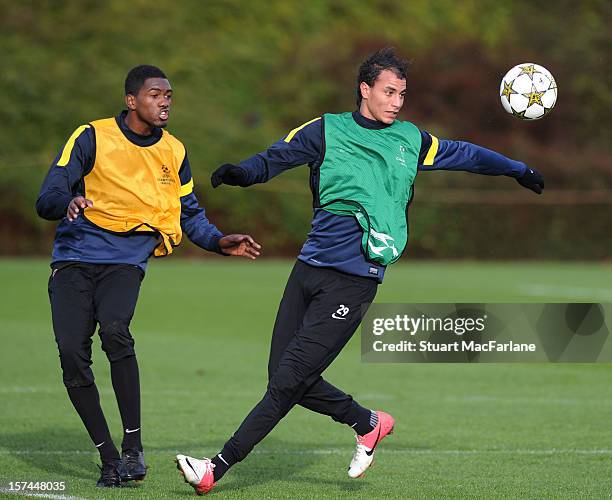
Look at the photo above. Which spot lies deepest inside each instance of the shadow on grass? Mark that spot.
(48, 450)
(59, 452)
(261, 468)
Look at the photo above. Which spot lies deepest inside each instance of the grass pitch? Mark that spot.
(202, 333)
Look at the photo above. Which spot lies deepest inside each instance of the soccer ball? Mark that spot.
(528, 91)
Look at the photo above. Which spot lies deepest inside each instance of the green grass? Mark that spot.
(202, 332)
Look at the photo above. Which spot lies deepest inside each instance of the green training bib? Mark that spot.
(369, 174)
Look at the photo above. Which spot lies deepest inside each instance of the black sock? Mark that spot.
(126, 384)
(223, 461)
(361, 419)
(108, 451)
(86, 401)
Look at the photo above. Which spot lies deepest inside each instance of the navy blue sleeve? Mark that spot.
(63, 181)
(441, 154)
(303, 145)
(193, 217)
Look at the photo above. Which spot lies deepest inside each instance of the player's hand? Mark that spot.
(532, 179)
(77, 205)
(240, 245)
(229, 174)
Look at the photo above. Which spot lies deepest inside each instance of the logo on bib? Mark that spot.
(166, 178)
(400, 158)
(385, 239)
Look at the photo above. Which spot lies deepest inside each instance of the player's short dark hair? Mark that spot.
(136, 77)
(379, 61)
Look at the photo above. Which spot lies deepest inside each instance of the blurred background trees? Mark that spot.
(245, 73)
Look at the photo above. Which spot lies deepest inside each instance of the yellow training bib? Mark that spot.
(135, 188)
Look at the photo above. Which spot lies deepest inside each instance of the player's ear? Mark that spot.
(130, 102)
(365, 90)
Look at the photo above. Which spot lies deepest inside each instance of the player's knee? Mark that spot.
(284, 388)
(75, 359)
(82, 378)
(117, 341)
(76, 371)
(69, 351)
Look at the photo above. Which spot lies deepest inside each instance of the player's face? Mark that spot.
(383, 100)
(152, 103)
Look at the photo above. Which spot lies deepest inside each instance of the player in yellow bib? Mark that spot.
(123, 190)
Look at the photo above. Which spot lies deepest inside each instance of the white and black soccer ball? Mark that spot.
(528, 91)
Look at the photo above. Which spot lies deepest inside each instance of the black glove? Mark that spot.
(532, 179)
(229, 174)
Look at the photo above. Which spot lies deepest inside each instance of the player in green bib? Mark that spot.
(369, 175)
(362, 170)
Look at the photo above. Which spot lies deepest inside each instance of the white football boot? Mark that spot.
(366, 444)
(197, 472)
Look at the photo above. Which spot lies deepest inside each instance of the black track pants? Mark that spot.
(319, 312)
(83, 295)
